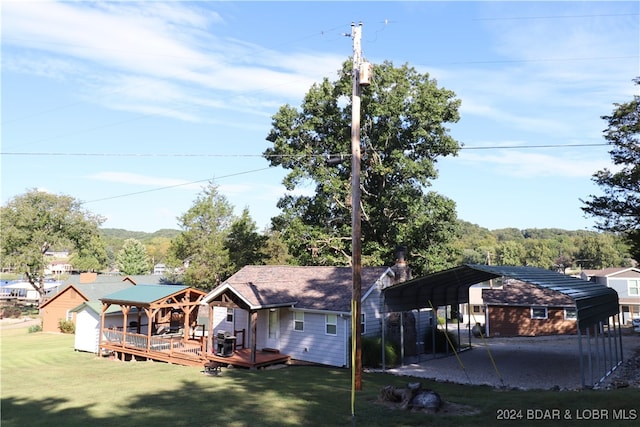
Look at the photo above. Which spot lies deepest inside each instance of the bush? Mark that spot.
(67, 326)
(441, 341)
(372, 353)
(12, 311)
(35, 328)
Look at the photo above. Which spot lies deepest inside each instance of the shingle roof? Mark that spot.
(105, 278)
(95, 291)
(311, 288)
(517, 293)
(144, 294)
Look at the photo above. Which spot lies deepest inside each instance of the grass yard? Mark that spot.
(45, 382)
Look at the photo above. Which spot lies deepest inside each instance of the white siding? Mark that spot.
(87, 331)
(313, 344)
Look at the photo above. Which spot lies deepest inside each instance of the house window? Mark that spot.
(538, 312)
(634, 287)
(331, 324)
(229, 315)
(298, 321)
(363, 324)
(570, 313)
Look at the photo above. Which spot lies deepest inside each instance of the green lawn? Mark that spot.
(46, 383)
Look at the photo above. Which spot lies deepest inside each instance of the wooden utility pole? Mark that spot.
(356, 231)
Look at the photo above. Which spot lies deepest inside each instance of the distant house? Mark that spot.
(625, 281)
(522, 309)
(83, 288)
(304, 312)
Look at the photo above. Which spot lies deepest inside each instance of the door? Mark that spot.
(272, 329)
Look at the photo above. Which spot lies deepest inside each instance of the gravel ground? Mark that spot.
(527, 363)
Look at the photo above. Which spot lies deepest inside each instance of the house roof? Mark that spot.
(106, 278)
(96, 307)
(303, 287)
(91, 291)
(594, 302)
(143, 294)
(612, 271)
(518, 293)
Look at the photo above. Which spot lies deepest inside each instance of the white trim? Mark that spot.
(539, 307)
(296, 322)
(326, 324)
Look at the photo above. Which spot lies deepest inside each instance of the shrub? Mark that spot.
(372, 353)
(441, 341)
(35, 328)
(12, 311)
(67, 326)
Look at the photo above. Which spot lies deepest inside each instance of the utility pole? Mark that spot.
(356, 230)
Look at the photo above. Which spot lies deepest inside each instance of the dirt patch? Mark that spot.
(23, 322)
(447, 408)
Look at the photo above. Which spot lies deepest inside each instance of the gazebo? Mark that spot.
(157, 323)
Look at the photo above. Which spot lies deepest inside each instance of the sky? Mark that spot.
(133, 106)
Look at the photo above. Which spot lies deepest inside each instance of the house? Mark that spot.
(24, 293)
(82, 288)
(301, 311)
(523, 309)
(625, 281)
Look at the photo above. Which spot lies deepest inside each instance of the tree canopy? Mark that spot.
(133, 258)
(404, 117)
(37, 222)
(201, 246)
(618, 209)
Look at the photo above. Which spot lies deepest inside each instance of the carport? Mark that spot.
(598, 322)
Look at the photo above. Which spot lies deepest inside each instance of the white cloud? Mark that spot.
(132, 52)
(143, 180)
(528, 165)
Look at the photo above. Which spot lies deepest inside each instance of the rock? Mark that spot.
(427, 399)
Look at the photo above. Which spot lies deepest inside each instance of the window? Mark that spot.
(538, 312)
(363, 324)
(230, 315)
(570, 313)
(634, 287)
(298, 321)
(331, 324)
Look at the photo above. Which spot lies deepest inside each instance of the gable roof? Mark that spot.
(144, 294)
(151, 279)
(91, 291)
(96, 307)
(613, 271)
(594, 302)
(518, 293)
(302, 287)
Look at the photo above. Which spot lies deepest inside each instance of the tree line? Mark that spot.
(405, 130)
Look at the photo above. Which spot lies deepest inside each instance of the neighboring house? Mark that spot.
(159, 269)
(24, 292)
(625, 281)
(523, 309)
(304, 312)
(58, 268)
(87, 288)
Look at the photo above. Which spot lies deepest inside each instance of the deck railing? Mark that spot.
(153, 344)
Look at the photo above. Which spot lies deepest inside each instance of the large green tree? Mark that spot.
(404, 117)
(36, 222)
(618, 209)
(133, 258)
(244, 244)
(201, 246)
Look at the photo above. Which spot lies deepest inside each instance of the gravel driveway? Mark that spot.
(522, 362)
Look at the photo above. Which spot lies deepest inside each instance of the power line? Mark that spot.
(487, 147)
(173, 186)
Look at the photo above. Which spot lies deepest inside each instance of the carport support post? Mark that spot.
(581, 356)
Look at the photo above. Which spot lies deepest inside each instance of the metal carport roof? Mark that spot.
(594, 302)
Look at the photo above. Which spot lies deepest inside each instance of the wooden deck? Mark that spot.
(182, 352)
(242, 358)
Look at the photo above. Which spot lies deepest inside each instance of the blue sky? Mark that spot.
(131, 107)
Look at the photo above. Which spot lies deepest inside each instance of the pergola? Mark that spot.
(596, 306)
(157, 303)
